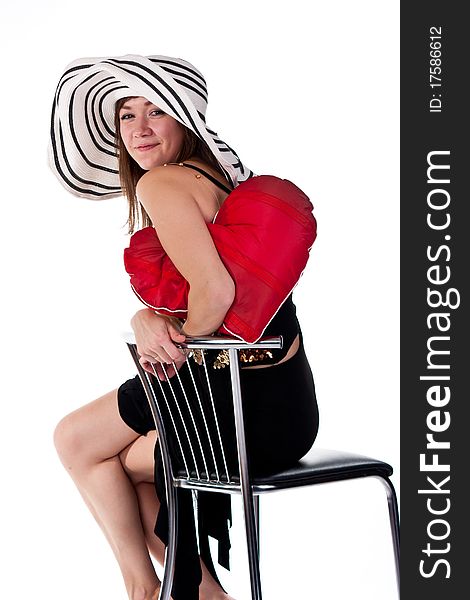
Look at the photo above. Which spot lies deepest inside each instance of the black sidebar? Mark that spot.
(435, 267)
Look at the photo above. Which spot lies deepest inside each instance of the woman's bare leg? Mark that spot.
(137, 460)
(148, 501)
(88, 442)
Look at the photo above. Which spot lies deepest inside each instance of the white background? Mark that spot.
(312, 97)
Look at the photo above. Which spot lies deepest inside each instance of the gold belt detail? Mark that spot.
(246, 357)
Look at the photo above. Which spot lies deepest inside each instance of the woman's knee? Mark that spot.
(69, 439)
(93, 433)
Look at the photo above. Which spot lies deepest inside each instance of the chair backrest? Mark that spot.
(198, 412)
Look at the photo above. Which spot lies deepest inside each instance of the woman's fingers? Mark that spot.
(171, 370)
(163, 354)
(155, 336)
(173, 352)
(159, 369)
(175, 334)
(164, 351)
(154, 368)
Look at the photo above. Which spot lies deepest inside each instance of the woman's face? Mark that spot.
(150, 136)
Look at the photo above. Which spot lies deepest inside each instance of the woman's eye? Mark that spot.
(156, 112)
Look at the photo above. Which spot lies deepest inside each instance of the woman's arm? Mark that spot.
(165, 193)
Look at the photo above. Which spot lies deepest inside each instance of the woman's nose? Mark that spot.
(141, 127)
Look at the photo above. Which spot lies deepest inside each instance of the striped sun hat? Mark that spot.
(82, 148)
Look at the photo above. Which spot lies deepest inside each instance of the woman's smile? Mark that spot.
(146, 147)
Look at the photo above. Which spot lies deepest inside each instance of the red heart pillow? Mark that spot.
(263, 233)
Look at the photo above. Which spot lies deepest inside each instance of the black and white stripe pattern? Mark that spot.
(82, 151)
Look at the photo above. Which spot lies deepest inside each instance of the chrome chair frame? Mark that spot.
(323, 466)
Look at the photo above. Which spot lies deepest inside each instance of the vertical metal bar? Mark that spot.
(195, 497)
(169, 412)
(247, 491)
(182, 420)
(394, 524)
(256, 511)
(215, 416)
(196, 431)
(170, 551)
(203, 413)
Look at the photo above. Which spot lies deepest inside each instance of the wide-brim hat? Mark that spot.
(82, 148)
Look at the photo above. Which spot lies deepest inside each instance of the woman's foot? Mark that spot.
(220, 595)
(144, 593)
(209, 588)
(157, 592)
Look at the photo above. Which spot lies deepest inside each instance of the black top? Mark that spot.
(283, 323)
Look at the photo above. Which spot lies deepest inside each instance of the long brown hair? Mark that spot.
(130, 172)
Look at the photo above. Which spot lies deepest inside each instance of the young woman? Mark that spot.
(176, 174)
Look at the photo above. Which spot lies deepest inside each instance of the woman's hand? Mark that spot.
(155, 336)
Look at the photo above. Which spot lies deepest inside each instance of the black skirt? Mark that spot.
(281, 423)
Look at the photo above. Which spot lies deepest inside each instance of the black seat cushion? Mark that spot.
(320, 465)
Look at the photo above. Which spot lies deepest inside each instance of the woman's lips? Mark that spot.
(146, 147)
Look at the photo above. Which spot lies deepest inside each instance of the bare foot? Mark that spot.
(157, 592)
(209, 588)
(217, 596)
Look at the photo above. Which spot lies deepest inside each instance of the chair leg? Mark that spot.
(394, 523)
(246, 488)
(256, 511)
(170, 552)
(252, 538)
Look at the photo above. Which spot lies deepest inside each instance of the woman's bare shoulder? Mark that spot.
(164, 183)
(166, 177)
